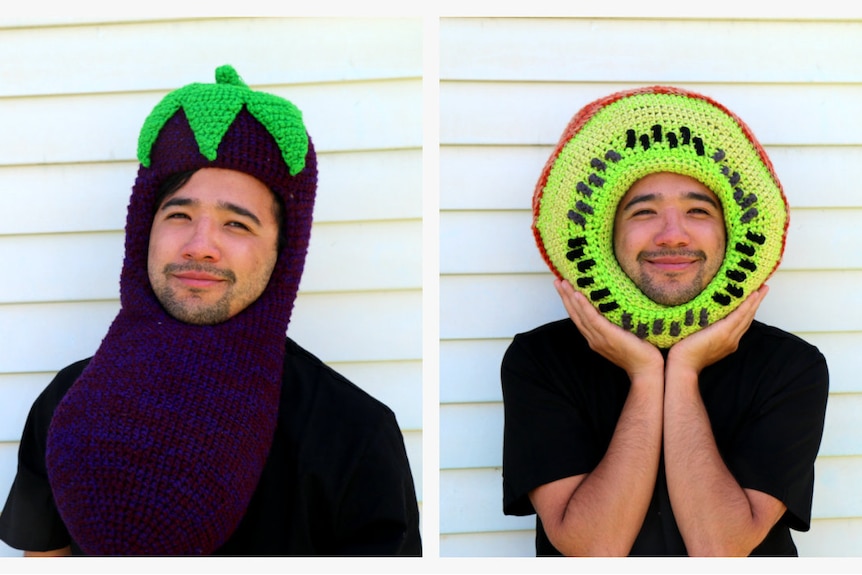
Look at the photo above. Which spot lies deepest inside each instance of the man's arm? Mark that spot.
(715, 515)
(601, 513)
(64, 552)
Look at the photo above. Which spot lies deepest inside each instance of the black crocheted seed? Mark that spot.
(631, 138)
(645, 142)
(725, 170)
(613, 156)
(672, 141)
(575, 254)
(626, 321)
(577, 218)
(748, 264)
(718, 155)
(675, 329)
(737, 194)
(745, 249)
(642, 331)
(736, 275)
(585, 265)
(689, 317)
(704, 318)
(585, 208)
(748, 216)
(721, 298)
(735, 291)
(734, 178)
(584, 282)
(656, 133)
(608, 307)
(747, 201)
(698, 146)
(596, 180)
(755, 237)
(597, 164)
(657, 327)
(598, 294)
(577, 242)
(584, 189)
(686, 135)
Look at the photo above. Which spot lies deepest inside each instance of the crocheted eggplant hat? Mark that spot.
(613, 142)
(157, 448)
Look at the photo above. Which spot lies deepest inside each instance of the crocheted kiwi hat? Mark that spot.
(613, 142)
(158, 446)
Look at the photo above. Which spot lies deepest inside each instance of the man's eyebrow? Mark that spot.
(240, 211)
(229, 206)
(698, 196)
(702, 197)
(639, 199)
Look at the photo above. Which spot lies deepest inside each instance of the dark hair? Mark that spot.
(175, 181)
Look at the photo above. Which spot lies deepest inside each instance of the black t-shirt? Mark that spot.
(766, 404)
(337, 480)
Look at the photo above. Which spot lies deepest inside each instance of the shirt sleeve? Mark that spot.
(558, 423)
(30, 520)
(775, 449)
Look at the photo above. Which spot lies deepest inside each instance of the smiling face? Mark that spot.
(669, 236)
(213, 246)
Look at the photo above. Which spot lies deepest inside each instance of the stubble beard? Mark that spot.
(190, 308)
(669, 291)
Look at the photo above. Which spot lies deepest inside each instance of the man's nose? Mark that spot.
(202, 244)
(673, 232)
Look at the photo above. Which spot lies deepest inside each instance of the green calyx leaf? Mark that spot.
(212, 108)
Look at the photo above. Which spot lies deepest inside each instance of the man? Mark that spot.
(197, 427)
(661, 418)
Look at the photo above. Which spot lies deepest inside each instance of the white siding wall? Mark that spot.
(72, 99)
(508, 88)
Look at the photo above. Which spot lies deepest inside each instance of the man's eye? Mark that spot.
(238, 225)
(177, 216)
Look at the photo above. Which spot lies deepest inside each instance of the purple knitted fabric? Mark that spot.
(158, 447)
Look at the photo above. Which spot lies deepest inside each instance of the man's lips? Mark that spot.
(671, 262)
(198, 279)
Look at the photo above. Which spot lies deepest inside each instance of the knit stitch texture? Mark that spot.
(613, 142)
(158, 446)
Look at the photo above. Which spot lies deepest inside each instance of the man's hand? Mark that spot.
(719, 340)
(623, 348)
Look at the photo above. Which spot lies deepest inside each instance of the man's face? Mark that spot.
(213, 246)
(669, 236)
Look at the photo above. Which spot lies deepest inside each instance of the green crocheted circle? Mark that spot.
(615, 142)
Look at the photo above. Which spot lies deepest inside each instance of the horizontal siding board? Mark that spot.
(19, 391)
(483, 423)
(265, 51)
(472, 501)
(503, 242)
(604, 50)
(841, 431)
(504, 177)
(46, 337)
(500, 544)
(413, 446)
(352, 186)
(471, 112)
(366, 255)
(470, 370)
(497, 306)
(398, 384)
(830, 538)
(369, 326)
(87, 128)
